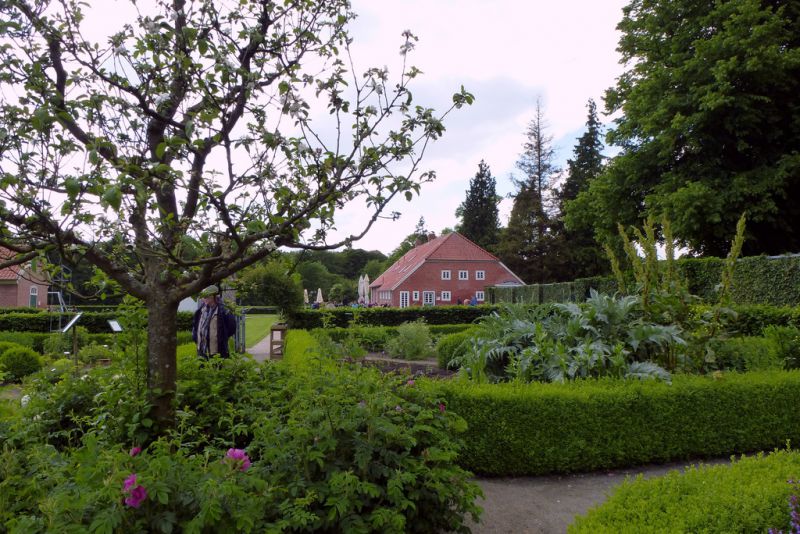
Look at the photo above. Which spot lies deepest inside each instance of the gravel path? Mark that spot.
(545, 505)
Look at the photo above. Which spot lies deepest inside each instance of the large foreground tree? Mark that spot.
(186, 139)
(710, 123)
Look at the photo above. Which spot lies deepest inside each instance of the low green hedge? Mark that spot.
(535, 429)
(95, 322)
(750, 495)
(374, 338)
(36, 340)
(345, 317)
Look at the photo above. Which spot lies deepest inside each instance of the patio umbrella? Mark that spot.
(305, 296)
(319, 300)
(361, 288)
(366, 288)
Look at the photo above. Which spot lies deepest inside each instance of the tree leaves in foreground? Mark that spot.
(198, 138)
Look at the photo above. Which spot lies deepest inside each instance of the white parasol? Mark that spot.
(305, 296)
(319, 300)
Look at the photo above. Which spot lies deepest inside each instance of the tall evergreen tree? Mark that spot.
(480, 221)
(587, 158)
(529, 245)
(584, 255)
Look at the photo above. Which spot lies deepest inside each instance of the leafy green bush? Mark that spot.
(375, 338)
(452, 347)
(92, 353)
(750, 495)
(787, 342)
(747, 354)
(19, 362)
(596, 424)
(341, 449)
(606, 336)
(413, 341)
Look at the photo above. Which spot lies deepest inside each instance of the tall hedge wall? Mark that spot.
(756, 280)
(536, 429)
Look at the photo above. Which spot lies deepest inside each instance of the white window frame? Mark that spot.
(404, 299)
(480, 275)
(445, 274)
(463, 275)
(33, 297)
(426, 295)
(479, 296)
(446, 296)
(415, 296)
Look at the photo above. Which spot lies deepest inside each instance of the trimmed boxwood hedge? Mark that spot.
(535, 429)
(95, 322)
(374, 338)
(344, 317)
(750, 495)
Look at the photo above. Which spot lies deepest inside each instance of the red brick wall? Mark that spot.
(8, 295)
(24, 291)
(429, 278)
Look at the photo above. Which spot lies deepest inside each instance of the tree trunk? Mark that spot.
(162, 327)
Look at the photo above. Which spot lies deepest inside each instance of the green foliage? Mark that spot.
(707, 126)
(413, 341)
(747, 354)
(787, 344)
(478, 213)
(452, 347)
(18, 362)
(588, 425)
(375, 338)
(606, 336)
(270, 283)
(59, 344)
(750, 495)
(92, 353)
(345, 449)
(432, 315)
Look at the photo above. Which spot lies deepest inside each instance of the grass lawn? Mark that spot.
(257, 328)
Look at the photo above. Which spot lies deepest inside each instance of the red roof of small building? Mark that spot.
(453, 246)
(8, 273)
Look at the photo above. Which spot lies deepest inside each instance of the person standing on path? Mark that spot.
(213, 325)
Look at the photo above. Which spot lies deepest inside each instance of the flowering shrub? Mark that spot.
(256, 448)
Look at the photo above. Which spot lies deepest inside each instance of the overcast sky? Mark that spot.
(507, 53)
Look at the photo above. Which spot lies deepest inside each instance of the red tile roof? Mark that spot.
(453, 246)
(8, 273)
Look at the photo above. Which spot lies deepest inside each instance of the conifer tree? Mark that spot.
(529, 246)
(480, 222)
(584, 255)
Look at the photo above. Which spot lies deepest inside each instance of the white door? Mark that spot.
(404, 299)
(428, 298)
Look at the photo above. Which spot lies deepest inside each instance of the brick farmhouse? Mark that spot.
(20, 285)
(445, 270)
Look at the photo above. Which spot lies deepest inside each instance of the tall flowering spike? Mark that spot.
(238, 456)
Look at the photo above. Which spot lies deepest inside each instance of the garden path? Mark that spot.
(545, 505)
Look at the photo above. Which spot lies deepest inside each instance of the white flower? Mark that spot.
(84, 377)
(37, 417)
(25, 400)
(150, 26)
(120, 49)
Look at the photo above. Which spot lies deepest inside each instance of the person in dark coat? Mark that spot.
(213, 325)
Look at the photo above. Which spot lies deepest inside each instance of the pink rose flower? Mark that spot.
(441, 407)
(136, 493)
(410, 382)
(135, 451)
(238, 456)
